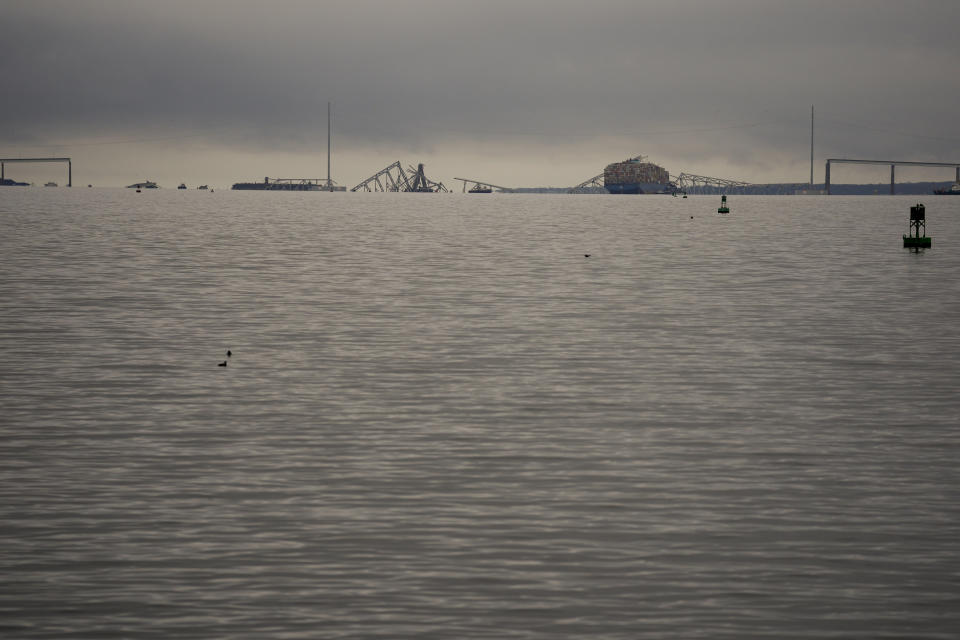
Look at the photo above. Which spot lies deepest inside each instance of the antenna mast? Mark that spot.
(330, 182)
(811, 145)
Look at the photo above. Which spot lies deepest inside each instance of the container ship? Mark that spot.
(288, 184)
(279, 184)
(636, 175)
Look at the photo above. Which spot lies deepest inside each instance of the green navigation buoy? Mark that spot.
(723, 205)
(918, 229)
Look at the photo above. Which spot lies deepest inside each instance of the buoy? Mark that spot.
(917, 239)
(723, 205)
(229, 353)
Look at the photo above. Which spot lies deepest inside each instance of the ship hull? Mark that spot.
(262, 186)
(634, 188)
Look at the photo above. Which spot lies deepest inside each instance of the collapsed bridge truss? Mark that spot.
(690, 183)
(593, 185)
(394, 178)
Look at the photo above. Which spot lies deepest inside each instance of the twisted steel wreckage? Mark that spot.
(394, 178)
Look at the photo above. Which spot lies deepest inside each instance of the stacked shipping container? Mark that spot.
(635, 176)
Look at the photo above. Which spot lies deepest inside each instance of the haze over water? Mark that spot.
(440, 420)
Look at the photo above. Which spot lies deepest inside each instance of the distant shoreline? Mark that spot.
(785, 188)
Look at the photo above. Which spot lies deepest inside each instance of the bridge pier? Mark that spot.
(892, 190)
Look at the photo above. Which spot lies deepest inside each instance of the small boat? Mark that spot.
(51, 184)
(954, 190)
(182, 186)
(478, 188)
(203, 187)
(143, 185)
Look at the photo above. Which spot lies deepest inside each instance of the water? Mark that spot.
(441, 420)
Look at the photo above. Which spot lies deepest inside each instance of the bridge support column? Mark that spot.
(69, 173)
(892, 190)
(826, 178)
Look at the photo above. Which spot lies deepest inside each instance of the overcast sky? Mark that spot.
(518, 93)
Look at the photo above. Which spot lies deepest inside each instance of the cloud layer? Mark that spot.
(538, 90)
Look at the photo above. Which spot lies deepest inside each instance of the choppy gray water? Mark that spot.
(441, 420)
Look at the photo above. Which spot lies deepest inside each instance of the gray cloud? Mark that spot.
(702, 85)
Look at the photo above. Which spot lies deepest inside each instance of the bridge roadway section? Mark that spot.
(4, 161)
(892, 163)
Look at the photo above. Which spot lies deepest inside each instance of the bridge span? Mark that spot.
(893, 164)
(4, 161)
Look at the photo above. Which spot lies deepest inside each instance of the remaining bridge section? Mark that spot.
(4, 161)
(482, 187)
(893, 164)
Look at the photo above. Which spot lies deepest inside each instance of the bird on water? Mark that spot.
(222, 364)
